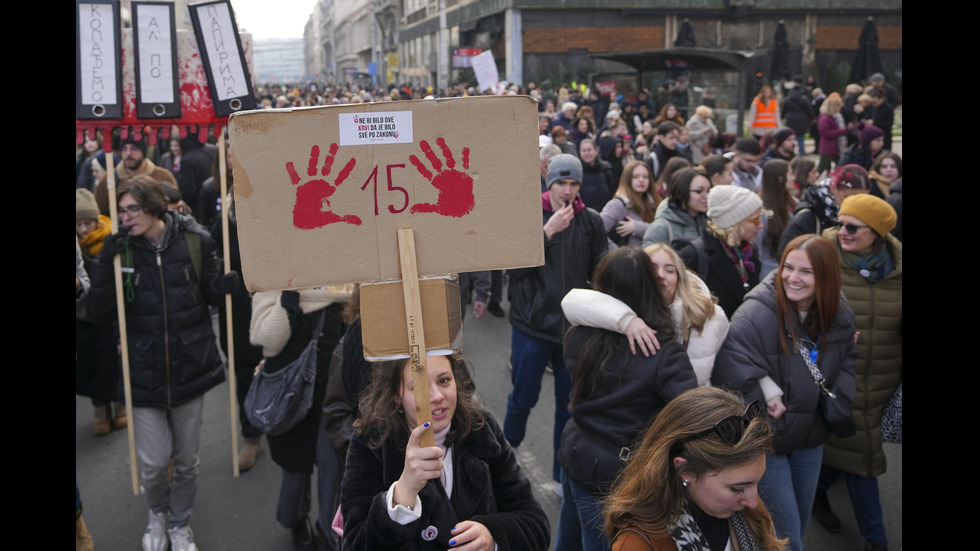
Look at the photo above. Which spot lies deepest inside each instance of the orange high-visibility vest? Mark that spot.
(765, 115)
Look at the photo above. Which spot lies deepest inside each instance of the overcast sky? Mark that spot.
(273, 18)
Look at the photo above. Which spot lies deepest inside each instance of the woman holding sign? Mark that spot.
(466, 492)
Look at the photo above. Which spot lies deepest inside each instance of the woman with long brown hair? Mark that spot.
(778, 202)
(633, 208)
(794, 329)
(693, 481)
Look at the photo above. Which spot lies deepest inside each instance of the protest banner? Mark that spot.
(373, 192)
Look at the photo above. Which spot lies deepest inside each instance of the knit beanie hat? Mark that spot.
(868, 133)
(138, 143)
(729, 205)
(782, 135)
(85, 205)
(564, 166)
(872, 210)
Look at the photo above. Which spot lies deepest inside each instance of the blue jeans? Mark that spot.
(801, 140)
(580, 524)
(530, 356)
(788, 489)
(864, 499)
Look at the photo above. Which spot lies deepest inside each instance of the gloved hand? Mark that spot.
(228, 284)
(115, 243)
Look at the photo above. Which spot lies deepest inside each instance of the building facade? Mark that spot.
(413, 41)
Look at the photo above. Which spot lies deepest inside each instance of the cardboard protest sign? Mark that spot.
(321, 192)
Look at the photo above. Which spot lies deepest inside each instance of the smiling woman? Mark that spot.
(793, 328)
(467, 489)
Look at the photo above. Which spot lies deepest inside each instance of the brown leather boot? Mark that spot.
(120, 421)
(249, 453)
(102, 424)
(83, 540)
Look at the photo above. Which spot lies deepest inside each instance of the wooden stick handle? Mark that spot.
(416, 335)
(121, 315)
(229, 324)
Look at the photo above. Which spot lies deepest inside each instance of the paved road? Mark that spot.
(238, 514)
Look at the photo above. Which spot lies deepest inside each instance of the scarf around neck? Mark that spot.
(687, 534)
(873, 266)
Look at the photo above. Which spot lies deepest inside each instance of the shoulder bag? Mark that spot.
(276, 402)
(838, 418)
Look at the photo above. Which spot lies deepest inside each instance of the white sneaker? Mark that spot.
(182, 539)
(155, 537)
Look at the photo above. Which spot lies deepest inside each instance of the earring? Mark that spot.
(684, 482)
(400, 409)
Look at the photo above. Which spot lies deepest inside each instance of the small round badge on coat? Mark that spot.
(430, 533)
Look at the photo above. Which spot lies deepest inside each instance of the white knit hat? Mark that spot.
(729, 205)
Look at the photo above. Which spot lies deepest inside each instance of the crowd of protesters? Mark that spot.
(756, 255)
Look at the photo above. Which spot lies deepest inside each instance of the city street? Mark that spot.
(239, 514)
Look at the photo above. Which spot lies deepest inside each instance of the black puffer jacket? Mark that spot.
(173, 354)
(570, 258)
(752, 351)
(631, 389)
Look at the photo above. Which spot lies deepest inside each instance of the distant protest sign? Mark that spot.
(321, 192)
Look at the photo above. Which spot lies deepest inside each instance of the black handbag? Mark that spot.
(276, 402)
(838, 418)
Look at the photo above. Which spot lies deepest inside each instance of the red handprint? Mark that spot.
(455, 187)
(311, 197)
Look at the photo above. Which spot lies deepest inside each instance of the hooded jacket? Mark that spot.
(173, 354)
(570, 258)
(672, 222)
(752, 353)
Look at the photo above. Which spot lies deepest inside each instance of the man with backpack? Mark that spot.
(170, 276)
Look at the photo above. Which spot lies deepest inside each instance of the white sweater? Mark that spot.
(595, 309)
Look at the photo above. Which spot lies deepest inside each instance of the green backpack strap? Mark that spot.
(194, 247)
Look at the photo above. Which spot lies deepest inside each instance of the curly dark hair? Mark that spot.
(381, 419)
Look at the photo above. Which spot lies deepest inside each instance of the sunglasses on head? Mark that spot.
(731, 429)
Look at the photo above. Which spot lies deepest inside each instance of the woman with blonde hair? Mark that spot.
(627, 215)
(702, 131)
(725, 256)
(692, 483)
(832, 129)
